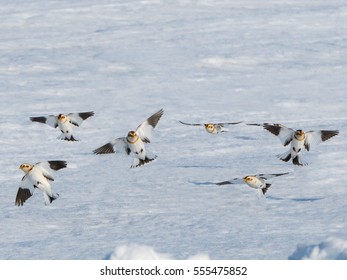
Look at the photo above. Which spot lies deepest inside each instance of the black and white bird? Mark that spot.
(258, 181)
(298, 140)
(134, 142)
(212, 128)
(66, 123)
(38, 176)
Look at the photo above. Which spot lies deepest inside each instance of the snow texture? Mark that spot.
(201, 61)
(142, 252)
(331, 249)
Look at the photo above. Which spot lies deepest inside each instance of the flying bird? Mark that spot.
(257, 181)
(298, 140)
(212, 128)
(38, 176)
(134, 142)
(66, 123)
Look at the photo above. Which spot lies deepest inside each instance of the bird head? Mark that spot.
(209, 127)
(299, 134)
(26, 167)
(132, 136)
(62, 118)
(248, 179)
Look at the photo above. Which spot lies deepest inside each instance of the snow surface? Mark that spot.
(331, 249)
(202, 61)
(141, 252)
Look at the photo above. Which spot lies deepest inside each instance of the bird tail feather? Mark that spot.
(50, 199)
(299, 161)
(139, 162)
(267, 186)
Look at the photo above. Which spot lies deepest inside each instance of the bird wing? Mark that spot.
(49, 167)
(231, 181)
(50, 120)
(77, 118)
(285, 134)
(145, 129)
(269, 176)
(25, 191)
(118, 145)
(228, 123)
(193, 124)
(317, 137)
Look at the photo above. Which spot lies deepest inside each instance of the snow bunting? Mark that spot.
(66, 123)
(38, 176)
(254, 181)
(134, 142)
(299, 140)
(212, 128)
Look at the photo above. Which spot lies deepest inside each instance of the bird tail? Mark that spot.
(63, 137)
(49, 199)
(139, 162)
(71, 138)
(267, 186)
(299, 161)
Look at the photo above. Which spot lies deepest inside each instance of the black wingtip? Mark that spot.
(223, 183)
(154, 119)
(38, 119)
(86, 115)
(22, 196)
(105, 149)
(327, 134)
(273, 128)
(57, 164)
(254, 124)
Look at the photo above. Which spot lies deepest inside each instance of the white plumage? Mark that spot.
(66, 123)
(134, 142)
(38, 176)
(298, 140)
(257, 181)
(212, 128)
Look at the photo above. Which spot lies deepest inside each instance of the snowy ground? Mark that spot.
(251, 61)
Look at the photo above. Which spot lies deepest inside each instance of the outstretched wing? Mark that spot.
(146, 128)
(193, 124)
(228, 123)
(285, 134)
(117, 145)
(51, 165)
(317, 137)
(269, 176)
(231, 181)
(48, 167)
(50, 120)
(24, 192)
(77, 118)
